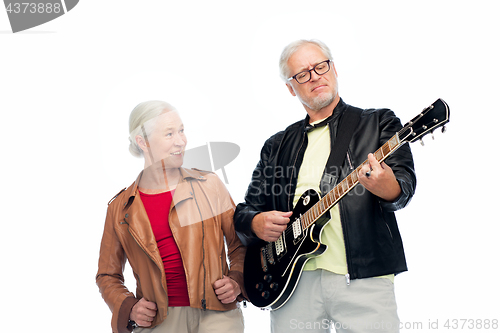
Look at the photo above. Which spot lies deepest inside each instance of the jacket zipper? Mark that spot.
(344, 233)
(347, 276)
(204, 299)
(221, 266)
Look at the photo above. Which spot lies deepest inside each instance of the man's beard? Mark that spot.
(323, 100)
(318, 103)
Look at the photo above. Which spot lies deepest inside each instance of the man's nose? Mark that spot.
(314, 76)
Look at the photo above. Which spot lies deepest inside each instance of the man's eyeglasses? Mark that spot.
(320, 69)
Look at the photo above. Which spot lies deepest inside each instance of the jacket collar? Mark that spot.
(186, 176)
(337, 111)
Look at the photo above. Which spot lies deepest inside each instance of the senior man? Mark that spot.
(350, 287)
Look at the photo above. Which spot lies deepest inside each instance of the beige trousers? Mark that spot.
(184, 319)
(323, 302)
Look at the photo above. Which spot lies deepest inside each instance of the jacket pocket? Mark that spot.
(388, 228)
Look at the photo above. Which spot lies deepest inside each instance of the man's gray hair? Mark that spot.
(293, 47)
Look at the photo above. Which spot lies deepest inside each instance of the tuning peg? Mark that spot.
(443, 129)
(422, 142)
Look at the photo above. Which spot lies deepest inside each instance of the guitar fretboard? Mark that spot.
(348, 183)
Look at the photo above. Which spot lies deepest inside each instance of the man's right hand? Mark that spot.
(143, 313)
(269, 226)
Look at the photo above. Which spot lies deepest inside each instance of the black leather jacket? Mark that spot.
(371, 235)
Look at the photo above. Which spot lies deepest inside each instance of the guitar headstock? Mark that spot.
(432, 117)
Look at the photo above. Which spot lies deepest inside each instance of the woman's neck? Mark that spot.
(156, 178)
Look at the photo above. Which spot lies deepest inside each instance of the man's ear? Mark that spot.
(290, 89)
(334, 70)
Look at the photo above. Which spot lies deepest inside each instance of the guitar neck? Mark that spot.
(347, 184)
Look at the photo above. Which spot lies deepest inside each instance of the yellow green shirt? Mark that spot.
(311, 170)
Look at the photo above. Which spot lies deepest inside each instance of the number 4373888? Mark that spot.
(33, 8)
(473, 324)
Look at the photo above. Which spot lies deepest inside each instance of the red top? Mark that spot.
(157, 207)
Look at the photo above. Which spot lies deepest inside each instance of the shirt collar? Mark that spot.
(338, 110)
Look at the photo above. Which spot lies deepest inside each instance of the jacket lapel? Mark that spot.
(139, 226)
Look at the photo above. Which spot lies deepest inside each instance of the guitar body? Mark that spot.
(273, 269)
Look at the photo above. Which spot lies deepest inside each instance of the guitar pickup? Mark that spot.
(280, 246)
(297, 230)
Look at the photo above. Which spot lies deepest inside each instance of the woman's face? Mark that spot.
(167, 141)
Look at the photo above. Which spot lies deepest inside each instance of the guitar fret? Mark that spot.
(379, 155)
(393, 142)
(305, 220)
(331, 199)
(349, 182)
(386, 149)
(354, 177)
(344, 187)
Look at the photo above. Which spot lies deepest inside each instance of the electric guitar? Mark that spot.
(273, 269)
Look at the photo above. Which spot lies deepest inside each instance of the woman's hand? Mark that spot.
(226, 290)
(143, 313)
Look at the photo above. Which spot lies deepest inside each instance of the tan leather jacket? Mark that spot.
(200, 216)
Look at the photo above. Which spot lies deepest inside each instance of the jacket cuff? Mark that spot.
(123, 325)
(238, 277)
(243, 227)
(400, 202)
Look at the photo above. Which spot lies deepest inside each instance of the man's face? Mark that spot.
(321, 90)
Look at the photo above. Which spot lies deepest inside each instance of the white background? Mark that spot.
(68, 86)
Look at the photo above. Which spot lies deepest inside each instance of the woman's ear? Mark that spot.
(143, 144)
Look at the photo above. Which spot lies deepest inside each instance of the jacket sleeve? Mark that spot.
(401, 163)
(236, 250)
(256, 197)
(110, 278)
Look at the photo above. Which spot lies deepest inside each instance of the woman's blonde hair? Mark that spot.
(139, 122)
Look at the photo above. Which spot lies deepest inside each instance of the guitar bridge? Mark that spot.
(263, 259)
(269, 253)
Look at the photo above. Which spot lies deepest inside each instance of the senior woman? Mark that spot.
(172, 225)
